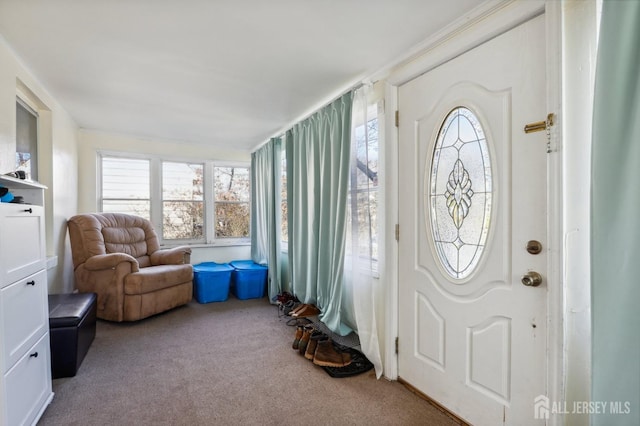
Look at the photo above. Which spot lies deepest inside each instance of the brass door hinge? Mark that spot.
(397, 118)
(396, 345)
(397, 232)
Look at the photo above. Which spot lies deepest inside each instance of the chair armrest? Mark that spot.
(110, 261)
(173, 256)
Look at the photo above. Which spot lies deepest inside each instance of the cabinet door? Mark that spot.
(28, 385)
(22, 241)
(25, 316)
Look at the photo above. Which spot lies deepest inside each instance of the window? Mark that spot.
(362, 201)
(26, 140)
(182, 201)
(126, 186)
(284, 220)
(232, 197)
(173, 195)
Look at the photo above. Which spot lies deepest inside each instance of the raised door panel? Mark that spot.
(24, 317)
(22, 241)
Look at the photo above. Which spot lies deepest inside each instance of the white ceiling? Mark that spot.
(228, 73)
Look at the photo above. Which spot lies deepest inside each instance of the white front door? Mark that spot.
(472, 195)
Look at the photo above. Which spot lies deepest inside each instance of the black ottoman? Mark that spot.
(72, 328)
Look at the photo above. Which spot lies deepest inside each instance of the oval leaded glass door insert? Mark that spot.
(459, 199)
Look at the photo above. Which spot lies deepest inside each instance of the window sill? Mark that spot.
(232, 243)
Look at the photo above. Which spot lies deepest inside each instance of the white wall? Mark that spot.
(579, 44)
(220, 253)
(57, 162)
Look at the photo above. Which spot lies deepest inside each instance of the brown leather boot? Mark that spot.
(306, 311)
(316, 336)
(297, 337)
(299, 307)
(304, 340)
(327, 356)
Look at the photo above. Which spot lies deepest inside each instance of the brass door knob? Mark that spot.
(532, 279)
(534, 247)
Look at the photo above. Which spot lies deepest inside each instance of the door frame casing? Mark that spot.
(484, 23)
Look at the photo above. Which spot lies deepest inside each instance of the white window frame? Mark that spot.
(124, 157)
(379, 116)
(155, 182)
(162, 200)
(211, 190)
(32, 109)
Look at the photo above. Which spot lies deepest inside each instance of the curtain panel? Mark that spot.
(614, 226)
(363, 264)
(317, 152)
(265, 212)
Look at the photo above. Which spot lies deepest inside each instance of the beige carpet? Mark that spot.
(226, 363)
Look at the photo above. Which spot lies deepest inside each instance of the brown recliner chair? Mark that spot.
(118, 257)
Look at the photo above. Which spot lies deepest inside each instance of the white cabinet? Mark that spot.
(25, 358)
(22, 244)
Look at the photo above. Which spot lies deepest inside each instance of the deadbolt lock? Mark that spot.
(532, 279)
(534, 247)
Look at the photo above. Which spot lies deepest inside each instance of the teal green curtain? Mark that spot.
(317, 180)
(615, 227)
(265, 212)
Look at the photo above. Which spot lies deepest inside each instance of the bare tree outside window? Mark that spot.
(232, 198)
(182, 201)
(363, 194)
(284, 225)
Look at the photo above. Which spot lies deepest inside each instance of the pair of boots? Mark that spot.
(318, 347)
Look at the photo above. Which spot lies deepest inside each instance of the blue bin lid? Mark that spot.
(212, 267)
(246, 265)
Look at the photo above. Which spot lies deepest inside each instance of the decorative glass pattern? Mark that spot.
(460, 194)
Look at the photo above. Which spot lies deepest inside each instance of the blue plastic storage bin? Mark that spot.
(248, 279)
(211, 281)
